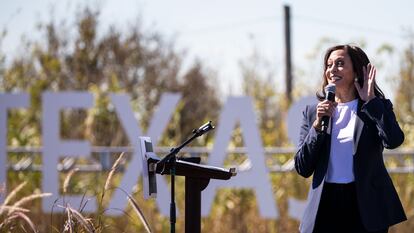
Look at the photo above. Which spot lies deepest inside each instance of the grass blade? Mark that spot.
(69, 221)
(113, 169)
(31, 197)
(25, 218)
(12, 208)
(138, 211)
(67, 179)
(14, 192)
(86, 223)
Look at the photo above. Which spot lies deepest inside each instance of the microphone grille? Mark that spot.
(330, 88)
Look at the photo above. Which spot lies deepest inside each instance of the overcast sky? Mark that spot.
(222, 32)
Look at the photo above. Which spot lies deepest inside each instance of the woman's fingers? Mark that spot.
(358, 88)
(366, 92)
(326, 108)
(372, 74)
(364, 70)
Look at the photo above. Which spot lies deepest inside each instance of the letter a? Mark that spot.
(240, 110)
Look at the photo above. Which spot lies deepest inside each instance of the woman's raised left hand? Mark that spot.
(366, 92)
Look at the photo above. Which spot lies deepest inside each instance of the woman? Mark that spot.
(351, 190)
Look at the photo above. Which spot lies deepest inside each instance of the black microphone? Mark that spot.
(203, 129)
(329, 95)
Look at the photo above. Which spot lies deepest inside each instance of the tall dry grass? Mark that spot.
(12, 215)
(233, 211)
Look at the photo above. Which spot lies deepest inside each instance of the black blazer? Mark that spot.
(375, 128)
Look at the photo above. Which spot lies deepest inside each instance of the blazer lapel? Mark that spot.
(359, 125)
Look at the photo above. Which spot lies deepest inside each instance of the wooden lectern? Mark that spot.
(197, 177)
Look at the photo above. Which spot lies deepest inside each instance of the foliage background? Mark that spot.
(144, 65)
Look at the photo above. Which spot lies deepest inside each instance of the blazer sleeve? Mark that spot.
(310, 144)
(380, 111)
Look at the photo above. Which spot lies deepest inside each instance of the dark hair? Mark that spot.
(359, 59)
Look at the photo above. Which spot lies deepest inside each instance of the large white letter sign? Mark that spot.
(7, 101)
(53, 147)
(158, 123)
(240, 109)
(294, 121)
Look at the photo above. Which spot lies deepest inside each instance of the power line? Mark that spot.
(310, 19)
(232, 25)
(301, 18)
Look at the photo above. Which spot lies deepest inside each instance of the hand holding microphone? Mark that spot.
(325, 109)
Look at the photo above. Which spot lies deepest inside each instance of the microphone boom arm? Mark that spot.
(196, 133)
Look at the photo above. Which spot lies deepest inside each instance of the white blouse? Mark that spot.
(340, 167)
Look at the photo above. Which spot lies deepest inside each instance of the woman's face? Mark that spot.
(339, 70)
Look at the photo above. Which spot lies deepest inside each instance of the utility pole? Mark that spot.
(288, 58)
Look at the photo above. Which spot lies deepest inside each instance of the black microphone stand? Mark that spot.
(171, 159)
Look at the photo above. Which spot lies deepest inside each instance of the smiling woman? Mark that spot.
(348, 66)
(340, 72)
(351, 189)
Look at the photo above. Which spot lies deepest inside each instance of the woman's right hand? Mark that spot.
(324, 108)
